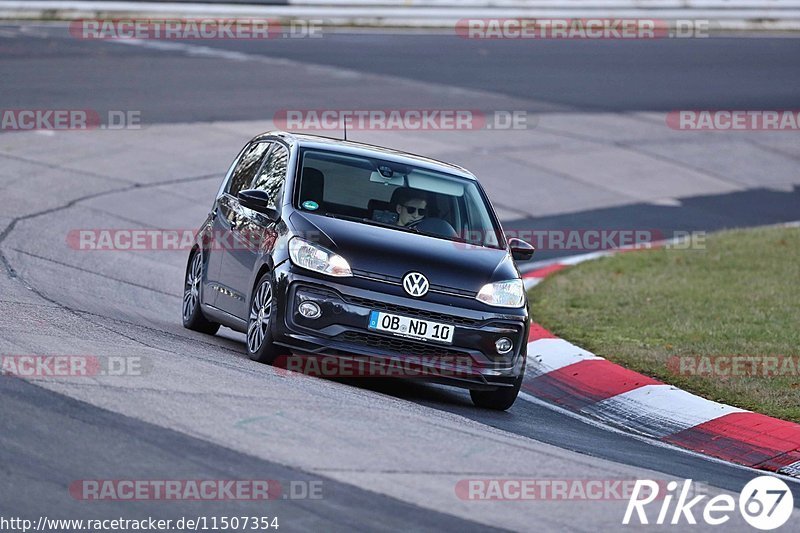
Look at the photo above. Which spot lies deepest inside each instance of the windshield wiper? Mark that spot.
(372, 222)
(409, 229)
(341, 217)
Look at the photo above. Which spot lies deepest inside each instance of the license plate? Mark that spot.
(413, 328)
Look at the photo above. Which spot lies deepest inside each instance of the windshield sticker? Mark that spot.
(310, 205)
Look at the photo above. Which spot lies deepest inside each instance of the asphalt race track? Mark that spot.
(387, 455)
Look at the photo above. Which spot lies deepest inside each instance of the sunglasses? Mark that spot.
(413, 210)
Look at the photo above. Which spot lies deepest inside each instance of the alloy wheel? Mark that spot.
(259, 317)
(191, 291)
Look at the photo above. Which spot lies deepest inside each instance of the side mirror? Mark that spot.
(258, 201)
(520, 250)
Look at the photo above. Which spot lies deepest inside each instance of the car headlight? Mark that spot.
(509, 293)
(313, 257)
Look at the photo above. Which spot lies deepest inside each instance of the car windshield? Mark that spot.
(393, 195)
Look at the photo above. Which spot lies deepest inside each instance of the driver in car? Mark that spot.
(410, 205)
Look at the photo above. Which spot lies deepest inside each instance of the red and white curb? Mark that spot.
(577, 380)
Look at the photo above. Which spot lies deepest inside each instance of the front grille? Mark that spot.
(394, 280)
(417, 313)
(397, 345)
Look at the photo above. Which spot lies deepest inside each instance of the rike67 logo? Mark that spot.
(765, 503)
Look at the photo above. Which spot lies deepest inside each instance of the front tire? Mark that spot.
(259, 332)
(500, 399)
(193, 317)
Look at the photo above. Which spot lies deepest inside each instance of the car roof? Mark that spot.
(367, 150)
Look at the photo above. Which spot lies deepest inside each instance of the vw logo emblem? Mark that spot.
(415, 284)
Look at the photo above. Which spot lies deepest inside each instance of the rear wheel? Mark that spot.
(259, 332)
(193, 317)
(500, 399)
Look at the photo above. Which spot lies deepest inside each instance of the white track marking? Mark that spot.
(547, 355)
(648, 440)
(658, 410)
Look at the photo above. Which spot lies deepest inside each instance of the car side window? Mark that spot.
(272, 175)
(247, 167)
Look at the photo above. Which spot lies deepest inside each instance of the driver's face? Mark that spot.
(406, 217)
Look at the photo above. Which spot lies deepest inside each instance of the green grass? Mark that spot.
(738, 296)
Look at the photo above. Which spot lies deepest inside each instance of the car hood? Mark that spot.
(394, 253)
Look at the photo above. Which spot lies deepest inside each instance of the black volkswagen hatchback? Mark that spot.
(316, 246)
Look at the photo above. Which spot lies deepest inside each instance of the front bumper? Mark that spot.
(341, 330)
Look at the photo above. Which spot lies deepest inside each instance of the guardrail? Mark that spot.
(552, 4)
(724, 14)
